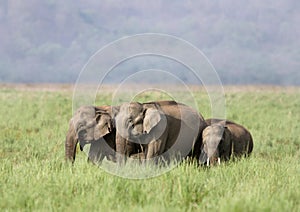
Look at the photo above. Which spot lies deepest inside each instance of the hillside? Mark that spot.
(50, 41)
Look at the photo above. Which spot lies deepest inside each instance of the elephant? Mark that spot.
(92, 125)
(162, 129)
(223, 140)
(96, 126)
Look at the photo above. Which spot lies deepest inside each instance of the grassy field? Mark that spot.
(34, 176)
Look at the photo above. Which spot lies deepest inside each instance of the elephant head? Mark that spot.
(216, 144)
(89, 124)
(135, 120)
(137, 125)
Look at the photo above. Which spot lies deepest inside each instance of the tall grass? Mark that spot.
(34, 175)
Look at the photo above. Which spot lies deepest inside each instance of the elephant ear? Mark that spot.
(103, 126)
(114, 110)
(226, 146)
(151, 118)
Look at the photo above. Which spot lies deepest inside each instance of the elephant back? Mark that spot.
(188, 115)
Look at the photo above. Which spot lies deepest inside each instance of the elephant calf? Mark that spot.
(95, 126)
(91, 125)
(223, 139)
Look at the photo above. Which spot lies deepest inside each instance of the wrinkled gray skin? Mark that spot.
(222, 140)
(92, 125)
(163, 127)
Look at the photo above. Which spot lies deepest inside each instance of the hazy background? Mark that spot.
(248, 42)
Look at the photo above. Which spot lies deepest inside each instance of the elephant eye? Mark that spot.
(79, 127)
(130, 123)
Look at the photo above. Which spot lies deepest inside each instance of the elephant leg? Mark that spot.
(130, 148)
(155, 149)
(96, 155)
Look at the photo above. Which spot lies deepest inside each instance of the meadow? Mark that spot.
(35, 177)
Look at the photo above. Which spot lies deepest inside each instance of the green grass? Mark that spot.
(34, 176)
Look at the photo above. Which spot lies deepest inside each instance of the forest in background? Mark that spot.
(248, 43)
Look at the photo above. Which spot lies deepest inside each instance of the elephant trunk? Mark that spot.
(70, 144)
(203, 157)
(120, 149)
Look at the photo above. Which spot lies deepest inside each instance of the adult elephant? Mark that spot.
(92, 125)
(162, 129)
(223, 139)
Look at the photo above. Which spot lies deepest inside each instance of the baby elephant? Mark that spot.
(223, 139)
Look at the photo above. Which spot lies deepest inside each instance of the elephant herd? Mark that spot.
(154, 131)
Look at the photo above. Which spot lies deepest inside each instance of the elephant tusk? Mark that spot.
(207, 162)
(219, 160)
